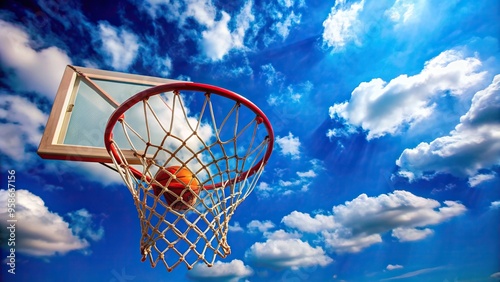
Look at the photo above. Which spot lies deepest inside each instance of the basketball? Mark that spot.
(181, 182)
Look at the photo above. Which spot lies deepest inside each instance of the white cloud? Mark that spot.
(284, 183)
(343, 241)
(472, 146)
(345, 131)
(393, 266)
(33, 70)
(166, 66)
(401, 12)
(385, 108)
(261, 226)
(119, 46)
(291, 3)
(290, 253)
(236, 227)
(283, 16)
(264, 190)
(414, 273)
(293, 93)
(297, 182)
(495, 205)
(221, 271)
(203, 11)
(480, 178)
(309, 174)
(244, 21)
(283, 27)
(359, 223)
(281, 235)
(220, 33)
(342, 25)
(305, 223)
(271, 76)
(217, 41)
(289, 145)
(388, 211)
(166, 8)
(223, 31)
(83, 225)
(40, 232)
(21, 129)
(411, 234)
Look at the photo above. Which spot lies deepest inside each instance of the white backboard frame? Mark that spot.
(52, 144)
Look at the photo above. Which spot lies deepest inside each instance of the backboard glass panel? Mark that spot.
(84, 102)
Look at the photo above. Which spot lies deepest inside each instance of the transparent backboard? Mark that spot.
(84, 102)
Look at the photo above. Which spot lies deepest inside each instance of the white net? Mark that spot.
(200, 156)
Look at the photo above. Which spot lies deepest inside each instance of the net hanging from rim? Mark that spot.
(201, 150)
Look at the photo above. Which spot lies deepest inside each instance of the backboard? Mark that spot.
(84, 102)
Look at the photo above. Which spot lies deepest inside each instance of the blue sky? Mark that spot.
(386, 114)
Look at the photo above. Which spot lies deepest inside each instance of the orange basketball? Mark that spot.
(181, 179)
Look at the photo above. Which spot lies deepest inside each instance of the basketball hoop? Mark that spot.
(214, 138)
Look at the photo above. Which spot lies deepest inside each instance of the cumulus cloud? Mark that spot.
(495, 205)
(21, 127)
(470, 147)
(293, 93)
(342, 25)
(401, 12)
(236, 227)
(271, 76)
(393, 266)
(244, 21)
(283, 27)
(411, 234)
(282, 235)
(388, 211)
(289, 253)
(40, 232)
(299, 181)
(119, 46)
(359, 223)
(281, 17)
(264, 190)
(381, 107)
(289, 145)
(165, 66)
(220, 32)
(309, 174)
(261, 226)
(83, 225)
(221, 271)
(343, 240)
(28, 69)
(480, 178)
(305, 223)
(218, 39)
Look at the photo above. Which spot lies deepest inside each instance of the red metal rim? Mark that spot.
(202, 88)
